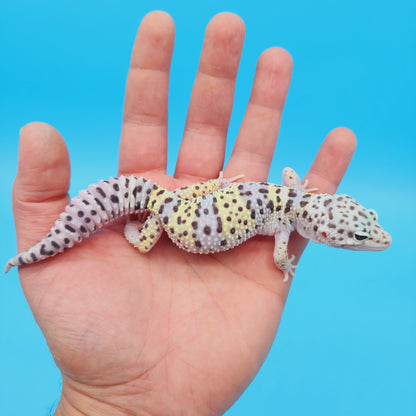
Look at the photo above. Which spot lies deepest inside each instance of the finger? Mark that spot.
(143, 145)
(42, 182)
(328, 169)
(332, 160)
(256, 141)
(202, 150)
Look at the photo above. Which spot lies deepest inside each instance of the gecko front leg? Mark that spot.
(291, 180)
(280, 256)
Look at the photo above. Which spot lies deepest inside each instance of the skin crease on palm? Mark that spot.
(166, 333)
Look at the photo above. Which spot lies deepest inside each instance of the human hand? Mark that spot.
(167, 332)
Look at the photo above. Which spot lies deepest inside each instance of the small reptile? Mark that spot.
(214, 216)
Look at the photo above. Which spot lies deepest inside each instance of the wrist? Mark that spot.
(73, 402)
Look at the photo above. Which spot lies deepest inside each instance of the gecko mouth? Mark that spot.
(362, 247)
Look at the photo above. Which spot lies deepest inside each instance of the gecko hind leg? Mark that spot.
(144, 236)
(291, 179)
(196, 190)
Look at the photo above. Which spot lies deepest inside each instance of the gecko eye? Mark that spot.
(360, 237)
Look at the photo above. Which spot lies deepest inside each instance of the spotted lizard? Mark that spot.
(214, 216)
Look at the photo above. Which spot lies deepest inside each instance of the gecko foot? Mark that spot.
(290, 268)
(227, 182)
(304, 187)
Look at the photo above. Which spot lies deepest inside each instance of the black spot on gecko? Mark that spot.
(167, 200)
(33, 255)
(80, 214)
(116, 187)
(207, 230)
(44, 252)
(66, 240)
(21, 261)
(69, 228)
(100, 204)
(288, 205)
(165, 220)
(194, 225)
(136, 190)
(223, 242)
(219, 225)
(114, 199)
(101, 192)
(198, 244)
(83, 229)
(55, 244)
(361, 214)
(292, 193)
(160, 192)
(263, 191)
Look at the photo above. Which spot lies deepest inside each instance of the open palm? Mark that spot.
(167, 332)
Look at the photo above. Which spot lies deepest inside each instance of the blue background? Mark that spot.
(347, 341)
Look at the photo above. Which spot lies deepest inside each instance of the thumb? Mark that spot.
(42, 182)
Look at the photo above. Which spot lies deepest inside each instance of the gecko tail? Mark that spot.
(92, 209)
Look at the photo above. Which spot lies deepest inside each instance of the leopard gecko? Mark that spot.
(214, 216)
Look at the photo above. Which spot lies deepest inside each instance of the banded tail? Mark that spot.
(99, 205)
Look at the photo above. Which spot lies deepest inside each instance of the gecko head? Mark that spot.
(340, 221)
